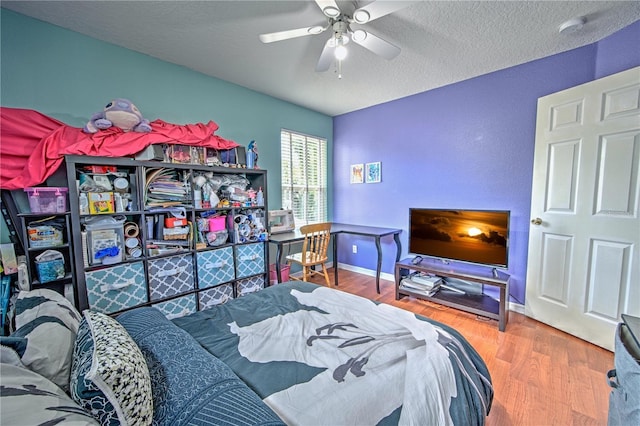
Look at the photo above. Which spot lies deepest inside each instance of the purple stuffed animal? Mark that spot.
(120, 113)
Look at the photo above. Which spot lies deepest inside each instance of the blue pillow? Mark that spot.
(190, 385)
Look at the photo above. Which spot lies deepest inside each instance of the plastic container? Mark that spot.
(83, 202)
(47, 199)
(284, 273)
(260, 197)
(216, 238)
(217, 223)
(105, 237)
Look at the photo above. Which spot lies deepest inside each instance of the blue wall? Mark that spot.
(467, 145)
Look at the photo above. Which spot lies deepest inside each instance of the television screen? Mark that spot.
(477, 236)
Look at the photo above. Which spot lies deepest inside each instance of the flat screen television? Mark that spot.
(475, 236)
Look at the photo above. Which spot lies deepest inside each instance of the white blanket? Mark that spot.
(366, 349)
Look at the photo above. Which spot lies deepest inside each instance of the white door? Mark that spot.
(584, 245)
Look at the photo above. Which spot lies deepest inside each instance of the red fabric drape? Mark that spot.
(33, 145)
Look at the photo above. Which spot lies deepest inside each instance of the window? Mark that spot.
(304, 176)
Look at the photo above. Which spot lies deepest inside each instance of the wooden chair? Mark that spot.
(314, 250)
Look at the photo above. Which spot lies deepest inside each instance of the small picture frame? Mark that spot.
(357, 173)
(373, 172)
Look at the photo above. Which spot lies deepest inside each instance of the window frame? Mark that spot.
(312, 205)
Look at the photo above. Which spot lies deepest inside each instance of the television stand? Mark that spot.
(479, 304)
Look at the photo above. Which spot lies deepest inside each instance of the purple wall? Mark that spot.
(466, 145)
(618, 52)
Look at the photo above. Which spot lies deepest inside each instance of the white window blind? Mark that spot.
(304, 176)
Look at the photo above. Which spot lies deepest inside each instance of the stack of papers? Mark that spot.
(165, 188)
(424, 284)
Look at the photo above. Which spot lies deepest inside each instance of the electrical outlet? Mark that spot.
(354, 248)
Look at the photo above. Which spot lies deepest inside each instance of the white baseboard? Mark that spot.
(516, 307)
(369, 272)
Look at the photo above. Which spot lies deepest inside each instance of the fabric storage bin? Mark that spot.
(179, 307)
(50, 266)
(250, 285)
(249, 259)
(116, 288)
(170, 275)
(215, 296)
(215, 267)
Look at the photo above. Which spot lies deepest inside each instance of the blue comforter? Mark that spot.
(189, 385)
(320, 356)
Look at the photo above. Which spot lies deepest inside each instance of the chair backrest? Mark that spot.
(316, 239)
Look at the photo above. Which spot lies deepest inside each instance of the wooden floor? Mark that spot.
(541, 376)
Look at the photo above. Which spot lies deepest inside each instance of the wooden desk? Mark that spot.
(336, 229)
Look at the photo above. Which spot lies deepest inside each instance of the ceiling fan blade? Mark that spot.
(375, 44)
(327, 56)
(329, 8)
(285, 35)
(378, 9)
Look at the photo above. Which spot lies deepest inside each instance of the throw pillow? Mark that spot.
(46, 326)
(109, 375)
(34, 304)
(28, 398)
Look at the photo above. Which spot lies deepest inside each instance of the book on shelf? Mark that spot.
(425, 280)
(408, 285)
(428, 289)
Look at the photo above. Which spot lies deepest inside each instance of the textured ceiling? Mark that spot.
(442, 42)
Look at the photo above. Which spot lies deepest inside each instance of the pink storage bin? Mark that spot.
(47, 199)
(217, 223)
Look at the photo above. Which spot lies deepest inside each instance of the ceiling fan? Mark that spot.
(340, 23)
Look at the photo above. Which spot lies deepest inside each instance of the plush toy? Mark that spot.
(121, 113)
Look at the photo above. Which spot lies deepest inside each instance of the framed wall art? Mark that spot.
(373, 172)
(357, 173)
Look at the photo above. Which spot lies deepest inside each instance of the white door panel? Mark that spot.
(584, 256)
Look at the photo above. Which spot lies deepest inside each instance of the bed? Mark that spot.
(295, 353)
(316, 355)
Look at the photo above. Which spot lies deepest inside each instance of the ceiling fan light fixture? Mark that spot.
(331, 11)
(359, 35)
(340, 52)
(361, 16)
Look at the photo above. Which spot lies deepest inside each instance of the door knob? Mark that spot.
(536, 221)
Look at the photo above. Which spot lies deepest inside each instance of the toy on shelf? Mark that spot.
(252, 155)
(121, 113)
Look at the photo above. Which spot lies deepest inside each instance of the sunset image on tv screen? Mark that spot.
(471, 236)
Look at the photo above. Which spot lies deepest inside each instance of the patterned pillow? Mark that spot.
(109, 375)
(46, 331)
(34, 304)
(28, 398)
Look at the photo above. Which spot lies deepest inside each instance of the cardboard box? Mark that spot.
(101, 202)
